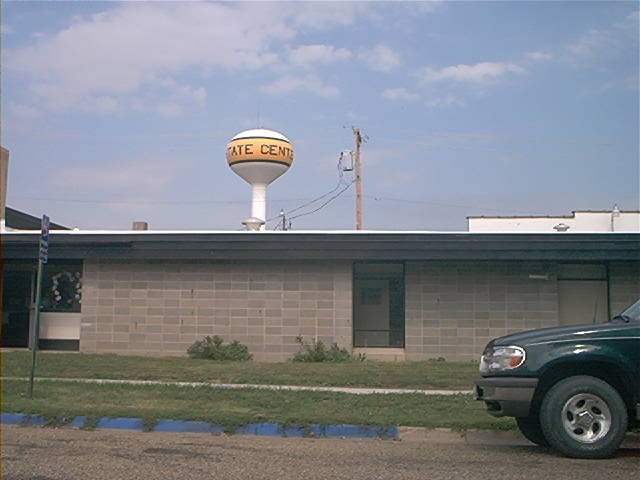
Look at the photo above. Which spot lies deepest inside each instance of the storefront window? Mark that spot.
(62, 288)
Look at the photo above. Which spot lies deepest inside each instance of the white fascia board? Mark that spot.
(301, 232)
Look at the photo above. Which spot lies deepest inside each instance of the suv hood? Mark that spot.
(573, 332)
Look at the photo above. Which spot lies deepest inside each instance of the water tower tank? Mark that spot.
(259, 157)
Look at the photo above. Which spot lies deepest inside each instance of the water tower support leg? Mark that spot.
(259, 202)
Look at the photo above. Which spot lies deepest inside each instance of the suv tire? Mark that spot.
(583, 417)
(531, 429)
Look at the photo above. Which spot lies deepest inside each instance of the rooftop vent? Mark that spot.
(139, 226)
(253, 224)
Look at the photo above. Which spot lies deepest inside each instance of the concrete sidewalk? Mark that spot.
(294, 388)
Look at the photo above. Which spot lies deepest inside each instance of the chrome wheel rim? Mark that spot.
(586, 418)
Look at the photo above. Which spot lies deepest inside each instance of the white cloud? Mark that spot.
(308, 83)
(480, 73)
(6, 29)
(131, 47)
(184, 92)
(309, 55)
(539, 56)
(176, 99)
(380, 58)
(606, 42)
(590, 43)
(400, 94)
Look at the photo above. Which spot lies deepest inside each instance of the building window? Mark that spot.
(371, 296)
(62, 287)
(378, 302)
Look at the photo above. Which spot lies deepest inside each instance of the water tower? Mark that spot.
(259, 157)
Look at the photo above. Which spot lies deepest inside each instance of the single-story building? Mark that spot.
(393, 295)
(614, 220)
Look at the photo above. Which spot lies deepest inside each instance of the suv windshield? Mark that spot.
(631, 314)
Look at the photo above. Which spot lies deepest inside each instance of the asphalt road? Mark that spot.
(47, 454)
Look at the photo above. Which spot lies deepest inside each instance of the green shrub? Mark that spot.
(317, 351)
(214, 349)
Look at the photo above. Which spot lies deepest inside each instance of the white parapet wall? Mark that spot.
(579, 221)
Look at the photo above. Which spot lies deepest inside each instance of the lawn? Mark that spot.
(239, 407)
(414, 375)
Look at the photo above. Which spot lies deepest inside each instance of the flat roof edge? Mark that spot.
(308, 232)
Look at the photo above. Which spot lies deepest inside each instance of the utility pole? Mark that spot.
(358, 140)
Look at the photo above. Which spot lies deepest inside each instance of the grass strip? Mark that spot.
(240, 407)
(414, 375)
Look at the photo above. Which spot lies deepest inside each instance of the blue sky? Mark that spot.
(116, 112)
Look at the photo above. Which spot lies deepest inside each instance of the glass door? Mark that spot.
(378, 303)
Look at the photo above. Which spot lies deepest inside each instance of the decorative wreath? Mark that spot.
(66, 289)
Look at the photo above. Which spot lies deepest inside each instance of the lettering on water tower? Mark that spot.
(271, 150)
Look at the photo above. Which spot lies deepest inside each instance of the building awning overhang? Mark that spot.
(150, 245)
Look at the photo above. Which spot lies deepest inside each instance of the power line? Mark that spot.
(325, 203)
(341, 181)
(144, 202)
(318, 198)
(242, 202)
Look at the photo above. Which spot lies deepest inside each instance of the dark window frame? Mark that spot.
(66, 274)
(398, 316)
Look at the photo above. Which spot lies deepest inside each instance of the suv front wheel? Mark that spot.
(583, 417)
(531, 429)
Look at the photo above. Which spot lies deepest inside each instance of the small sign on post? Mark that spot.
(44, 240)
(43, 256)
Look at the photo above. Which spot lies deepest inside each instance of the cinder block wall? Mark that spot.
(624, 285)
(454, 308)
(162, 307)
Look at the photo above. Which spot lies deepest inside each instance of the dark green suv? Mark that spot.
(574, 388)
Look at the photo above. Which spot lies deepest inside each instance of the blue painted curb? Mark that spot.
(11, 418)
(21, 419)
(77, 422)
(121, 423)
(186, 426)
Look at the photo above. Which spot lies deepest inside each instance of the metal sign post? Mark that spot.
(43, 256)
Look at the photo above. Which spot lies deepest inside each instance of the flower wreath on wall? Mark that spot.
(66, 290)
